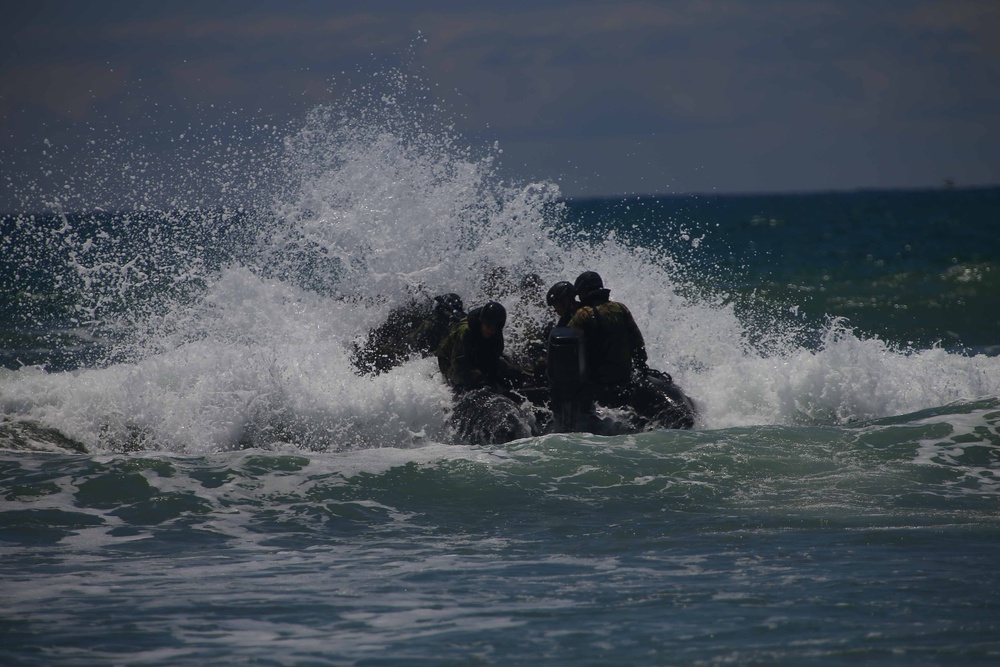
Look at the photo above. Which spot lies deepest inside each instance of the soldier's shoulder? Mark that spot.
(618, 306)
(582, 314)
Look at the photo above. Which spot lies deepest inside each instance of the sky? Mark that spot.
(603, 98)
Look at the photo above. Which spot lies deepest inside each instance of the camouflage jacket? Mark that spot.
(467, 360)
(612, 341)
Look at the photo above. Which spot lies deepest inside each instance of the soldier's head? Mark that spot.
(449, 305)
(561, 297)
(492, 317)
(587, 282)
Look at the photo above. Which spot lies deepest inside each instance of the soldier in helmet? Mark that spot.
(617, 374)
(417, 327)
(562, 299)
(472, 355)
(614, 346)
(426, 337)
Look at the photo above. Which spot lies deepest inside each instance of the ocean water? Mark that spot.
(191, 473)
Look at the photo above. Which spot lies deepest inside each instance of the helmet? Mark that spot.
(561, 291)
(493, 314)
(587, 282)
(449, 304)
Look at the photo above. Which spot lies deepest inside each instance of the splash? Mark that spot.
(231, 325)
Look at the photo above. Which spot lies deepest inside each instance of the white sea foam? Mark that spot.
(380, 203)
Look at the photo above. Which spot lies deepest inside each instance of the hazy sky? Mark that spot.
(601, 97)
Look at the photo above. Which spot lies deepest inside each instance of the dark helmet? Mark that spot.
(449, 304)
(561, 291)
(587, 282)
(493, 314)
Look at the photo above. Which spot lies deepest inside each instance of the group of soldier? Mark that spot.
(470, 347)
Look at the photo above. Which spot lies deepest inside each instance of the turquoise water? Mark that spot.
(914, 267)
(192, 473)
(761, 545)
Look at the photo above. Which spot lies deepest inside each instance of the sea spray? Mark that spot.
(230, 325)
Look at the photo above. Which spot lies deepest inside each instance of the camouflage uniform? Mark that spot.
(614, 344)
(468, 360)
